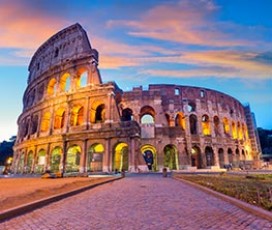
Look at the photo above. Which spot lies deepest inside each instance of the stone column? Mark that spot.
(107, 157)
(132, 155)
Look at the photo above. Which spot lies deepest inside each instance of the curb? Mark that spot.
(25, 208)
(241, 204)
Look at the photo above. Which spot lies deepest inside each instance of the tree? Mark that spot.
(6, 149)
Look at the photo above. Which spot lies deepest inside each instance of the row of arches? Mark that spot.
(93, 161)
(66, 82)
(205, 125)
(57, 119)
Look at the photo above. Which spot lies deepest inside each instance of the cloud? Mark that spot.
(228, 64)
(189, 22)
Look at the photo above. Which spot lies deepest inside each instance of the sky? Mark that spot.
(224, 45)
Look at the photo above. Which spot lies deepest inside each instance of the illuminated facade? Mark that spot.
(73, 122)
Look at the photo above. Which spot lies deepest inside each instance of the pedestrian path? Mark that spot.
(143, 201)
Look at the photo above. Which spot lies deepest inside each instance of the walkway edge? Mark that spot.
(23, 209)
(241, 204)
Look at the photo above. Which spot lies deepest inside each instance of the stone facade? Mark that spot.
(73, 122)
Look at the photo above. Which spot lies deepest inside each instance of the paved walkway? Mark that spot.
(145, 201)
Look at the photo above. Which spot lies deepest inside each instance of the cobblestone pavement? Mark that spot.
(144, 201)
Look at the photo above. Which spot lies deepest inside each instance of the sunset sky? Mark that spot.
(218, 44)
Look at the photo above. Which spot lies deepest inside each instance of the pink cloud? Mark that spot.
(189, 22)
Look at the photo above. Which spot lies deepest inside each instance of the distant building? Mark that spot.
(73, 122)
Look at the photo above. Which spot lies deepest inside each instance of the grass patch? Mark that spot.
(253, 189)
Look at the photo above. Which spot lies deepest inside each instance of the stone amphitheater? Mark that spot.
(74, 122)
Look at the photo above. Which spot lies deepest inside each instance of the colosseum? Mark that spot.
(73, 122)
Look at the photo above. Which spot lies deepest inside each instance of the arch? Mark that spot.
(25, 128)
(180, 120)
(209, 156)
(205, 122)
(29, 161)
(21, 165)
(150, 156)
(55, 160)
(52, 87)
(77, 113)
(40, 161)
(193, 124)
(216, 123)
(221, 158)
(59, 118)
(120, 157)
(73, 159)
(226, 126)
(196, 159)
(34, 124)
(98, 112)
(167, 116)
(230, 156)
(95, 158)
(45, 123)
(83, 79)
(239, 131)
(237, 157)
(147, 115)
(191, 107)
(65, 82)
(127, 114)
(170, 159)
(234, 130)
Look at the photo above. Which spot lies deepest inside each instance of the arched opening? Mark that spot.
(234, 130)
(52, 87)
(73, 159)
(120, 157)
(83, 79)
(226, 126)
(65, 82)
(55, 159)
(209, 156)
(230, 157)
(216, 124)
(40, 161)
(98, 112)
(170, 159)
(34, 124)
(21, 165)
(127, 115)
(221, 157)
(45, 123)
(59, 118)
(239, 131)
(205, 122)
(76, 116)
(180, 120)
(95, 158)
(167, 116)
(196, 159)
(147, 115)
(191, 106)
(237, 158)
(29, 162)
(193, 124)
(149, 155)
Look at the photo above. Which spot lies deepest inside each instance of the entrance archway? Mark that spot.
(149, 155)
(221, 158)
(196, 157)
(55, 159)
(29, 162)
(73, 159)
(120, 157)
(209, 156)
(170, 159)
(95, 158)
(40, 161)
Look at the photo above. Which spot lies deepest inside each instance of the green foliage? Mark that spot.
(6, 149)
(253, 189)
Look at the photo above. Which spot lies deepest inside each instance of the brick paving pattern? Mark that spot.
(144, 201)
